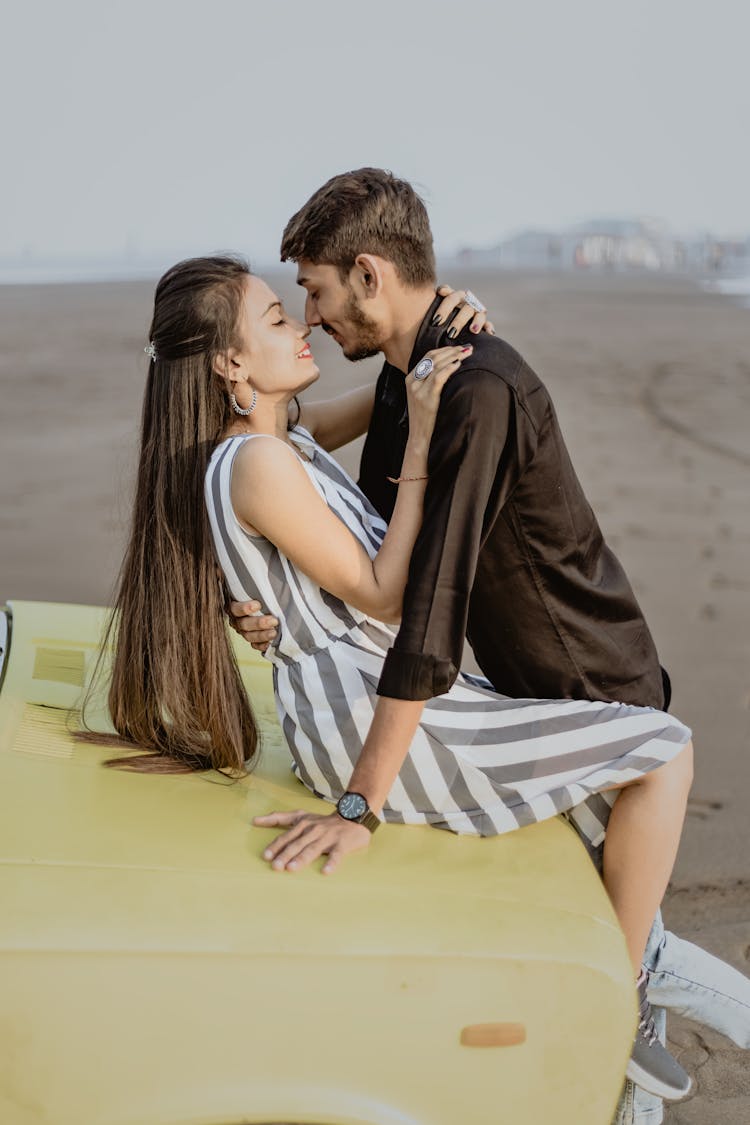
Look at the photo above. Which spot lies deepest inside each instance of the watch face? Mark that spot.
(352, 806)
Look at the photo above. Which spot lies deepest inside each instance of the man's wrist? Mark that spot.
(353, 807)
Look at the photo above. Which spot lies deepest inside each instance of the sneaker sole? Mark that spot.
(653, 1086)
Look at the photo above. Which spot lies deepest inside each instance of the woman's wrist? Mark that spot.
(417, 444)
(414, 462)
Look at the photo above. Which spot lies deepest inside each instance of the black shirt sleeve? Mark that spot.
(473, 466)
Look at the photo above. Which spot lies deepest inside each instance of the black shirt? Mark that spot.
(510, 554)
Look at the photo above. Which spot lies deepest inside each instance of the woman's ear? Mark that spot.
(226, 365)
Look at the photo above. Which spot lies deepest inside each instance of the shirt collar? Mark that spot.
(428, 335)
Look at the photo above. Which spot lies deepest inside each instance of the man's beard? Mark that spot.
(368, 342)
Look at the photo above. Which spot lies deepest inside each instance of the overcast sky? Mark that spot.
(164, 128)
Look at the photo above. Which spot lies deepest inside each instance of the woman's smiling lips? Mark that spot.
(306, 353)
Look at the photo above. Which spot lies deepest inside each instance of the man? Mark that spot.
(510, 554)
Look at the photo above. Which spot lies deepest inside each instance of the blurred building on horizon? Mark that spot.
(598, 245)
(614, 245)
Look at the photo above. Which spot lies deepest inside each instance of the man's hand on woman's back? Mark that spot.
(248, 619)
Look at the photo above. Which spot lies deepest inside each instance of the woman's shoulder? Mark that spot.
(264, 468)
(258, 451)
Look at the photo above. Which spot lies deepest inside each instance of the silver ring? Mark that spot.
(474, 302)
(423, 368)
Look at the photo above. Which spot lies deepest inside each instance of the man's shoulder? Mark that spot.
(493, 354)
(493, 372)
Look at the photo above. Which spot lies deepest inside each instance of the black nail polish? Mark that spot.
(452, 333)
(436, 319)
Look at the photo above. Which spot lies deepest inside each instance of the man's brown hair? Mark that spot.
(367, 211)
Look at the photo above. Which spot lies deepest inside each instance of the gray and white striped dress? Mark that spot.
(480, 763)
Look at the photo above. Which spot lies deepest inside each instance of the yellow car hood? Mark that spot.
(94, 859)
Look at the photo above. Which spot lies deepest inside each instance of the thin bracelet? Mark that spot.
(398, 480)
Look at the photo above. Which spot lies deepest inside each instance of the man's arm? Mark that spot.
(309, 835)
(477, 452)
(473, 466)
(471, 473)
(393, 727)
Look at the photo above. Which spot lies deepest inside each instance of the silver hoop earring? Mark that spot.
(238, 409)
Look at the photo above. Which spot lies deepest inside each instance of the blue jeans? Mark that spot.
(697, 985)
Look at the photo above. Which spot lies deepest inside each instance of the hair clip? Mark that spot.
(150, 350)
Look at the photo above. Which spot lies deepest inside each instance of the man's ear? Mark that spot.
(368, 275)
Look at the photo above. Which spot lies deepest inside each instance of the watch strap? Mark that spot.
(370, 820)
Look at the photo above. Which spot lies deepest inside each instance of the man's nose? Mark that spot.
(312, 315)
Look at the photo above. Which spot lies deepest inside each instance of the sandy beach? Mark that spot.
(651, 378)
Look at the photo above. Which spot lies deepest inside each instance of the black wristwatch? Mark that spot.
(353, 806)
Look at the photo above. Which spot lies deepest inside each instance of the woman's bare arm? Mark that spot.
(339, 420)
(273, 495)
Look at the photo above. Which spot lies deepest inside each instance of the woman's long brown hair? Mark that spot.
(175, 686)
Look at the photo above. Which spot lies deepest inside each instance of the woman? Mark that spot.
(290, 529)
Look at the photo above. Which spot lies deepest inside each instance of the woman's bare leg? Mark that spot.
(640, 847)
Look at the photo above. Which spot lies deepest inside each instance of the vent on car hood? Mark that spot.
(43, 731)
(61, 665)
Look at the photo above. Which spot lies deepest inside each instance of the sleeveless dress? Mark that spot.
(480, 763)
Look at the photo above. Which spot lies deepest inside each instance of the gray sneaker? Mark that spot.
(650, 1065)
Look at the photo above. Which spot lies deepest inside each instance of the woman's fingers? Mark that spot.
(451, 356)
(444, 362)
(464, 315)
(478, 322)
(442, 374)
(452, 299)
(441, 356)
(424, 389)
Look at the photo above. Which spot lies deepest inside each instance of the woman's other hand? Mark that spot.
(423, 390)
(454, 301)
